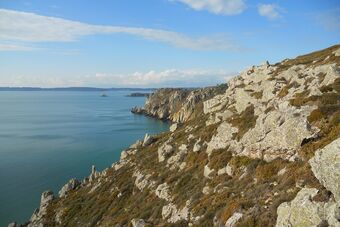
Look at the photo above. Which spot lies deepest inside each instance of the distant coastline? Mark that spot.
(139, 94)
(72, 89)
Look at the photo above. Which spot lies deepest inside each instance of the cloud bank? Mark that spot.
(165, 78)
(224, 7)
(30, 27)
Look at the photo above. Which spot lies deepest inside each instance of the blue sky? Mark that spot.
(155, 43)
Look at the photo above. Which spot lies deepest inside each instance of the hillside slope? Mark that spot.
(265, 152)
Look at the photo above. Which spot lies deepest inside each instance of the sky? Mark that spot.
(155, 43)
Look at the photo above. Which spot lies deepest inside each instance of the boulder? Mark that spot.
(71, 185)
(207, 171)
(164, 151)
(231, 222)
(38, 215)
(138, 222)
(147, 140)
(326, 167)
(173, 127)
(302, 211)
(173, 215)
(163, 192)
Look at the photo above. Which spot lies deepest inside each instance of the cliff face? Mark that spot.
(178, 105)
(264, 152)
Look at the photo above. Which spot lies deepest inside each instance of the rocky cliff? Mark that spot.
(263, 152)
(178, 105)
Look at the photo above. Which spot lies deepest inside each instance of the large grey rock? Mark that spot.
(232, 221)
(173, 127)
(326, 167)
(142, 181)
(163, 151)
(69, 186)
(172, 214)
(303, 212)
(138, 222)
(163, 192)
(37, 217)
(147, 140)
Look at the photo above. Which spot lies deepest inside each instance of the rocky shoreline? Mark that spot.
(263, 150)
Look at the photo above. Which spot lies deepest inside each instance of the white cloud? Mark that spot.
(165, 78)
(225, 7)
(30, 27)
(271, 11)
(16, 47)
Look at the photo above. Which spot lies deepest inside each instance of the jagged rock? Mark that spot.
(173, 127)
(208, 172)
(71, 185)
(177, 105)
(13, 224)
(38, 215)
(226, 170)
(164, 151)
(197, 147)
(137, 144)
(163, 192)
(147, 140)
(138, 222)
(142, 181)
(223, 137)
(303, 212)
(173, 215)
(326, 167)
(231, 222)
(94, 174)
(206, 190)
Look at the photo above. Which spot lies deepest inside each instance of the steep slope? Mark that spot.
(265, 152)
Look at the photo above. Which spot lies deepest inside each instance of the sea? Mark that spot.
(49, 137)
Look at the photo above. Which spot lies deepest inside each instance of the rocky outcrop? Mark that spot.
(37, 219)
(326, 167)
(177, 105)
(304, 212)
(71, 185)
(263, 152)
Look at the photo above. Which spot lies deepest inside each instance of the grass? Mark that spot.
(244, 122)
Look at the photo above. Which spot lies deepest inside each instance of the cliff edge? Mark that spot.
(263, 152)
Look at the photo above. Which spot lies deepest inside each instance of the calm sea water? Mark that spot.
(48, 137)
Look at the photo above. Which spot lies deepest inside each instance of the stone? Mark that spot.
(303, 212)
(226, 170)
(164, 151)
(173, 215)
(93, 174)
(206, 190)
(142, 181)
(208, 172)
(71, 185)
(231, 222)
(197, 147)
(13, 224)
(138, 222)
(173, 127)
(147, 140)
(137, 144)
(37, 217)
(163, 192)
(326, 167)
